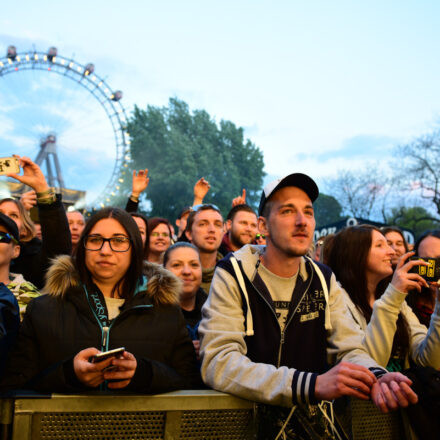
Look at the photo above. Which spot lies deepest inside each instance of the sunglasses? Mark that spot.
(7, 238)
(196, 208)
(258, 236)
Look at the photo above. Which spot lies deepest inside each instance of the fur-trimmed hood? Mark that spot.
(163, 287)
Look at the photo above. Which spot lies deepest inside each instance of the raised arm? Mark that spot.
(139, 185)
(201, 188)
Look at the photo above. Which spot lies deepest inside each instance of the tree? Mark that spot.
(416, 218)
(178, 147)
(327, 210)
(359, 192)
(420, 170)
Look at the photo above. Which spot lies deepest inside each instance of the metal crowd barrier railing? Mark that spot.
(190, 414)
(200, 414)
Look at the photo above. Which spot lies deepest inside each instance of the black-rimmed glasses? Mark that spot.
(117, 244)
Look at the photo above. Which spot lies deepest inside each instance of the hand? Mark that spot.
(29, 200)
(201, 188)
(240, 200)
(32, 175)
(196, 344)
(126, 368)
(344, 379)
(392, 391)
(403, 280)
(86, 372)
(140, 182)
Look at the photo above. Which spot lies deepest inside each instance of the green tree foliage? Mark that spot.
(178, 147)
(417, 219)
(327, 210)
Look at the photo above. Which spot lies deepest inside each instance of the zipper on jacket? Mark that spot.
(282, 332)
(104, 338)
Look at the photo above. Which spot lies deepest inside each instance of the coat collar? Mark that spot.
(162, 287)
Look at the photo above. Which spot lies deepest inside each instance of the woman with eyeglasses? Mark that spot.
(159, 240)
(105, 298)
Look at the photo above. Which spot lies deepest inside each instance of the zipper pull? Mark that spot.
(104, 338)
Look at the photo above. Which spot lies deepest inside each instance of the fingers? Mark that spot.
(390, 400)
(378, 399)
(243, 195)
(403, 259)
(410, 394)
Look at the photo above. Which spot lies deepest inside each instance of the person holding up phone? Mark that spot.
(362, 261)
(35, 255)
(102, 299)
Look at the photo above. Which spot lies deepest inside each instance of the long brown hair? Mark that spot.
(348, 260)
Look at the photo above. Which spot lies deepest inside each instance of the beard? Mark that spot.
(239, 241)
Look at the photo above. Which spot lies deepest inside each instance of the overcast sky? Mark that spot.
(317, 85)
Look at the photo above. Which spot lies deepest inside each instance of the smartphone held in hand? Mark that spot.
(106, 354)
(9, 165)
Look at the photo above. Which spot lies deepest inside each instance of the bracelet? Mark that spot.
(134, 198)
(46, 197)
(43, 194)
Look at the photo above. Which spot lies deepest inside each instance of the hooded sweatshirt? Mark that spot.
(246, 353)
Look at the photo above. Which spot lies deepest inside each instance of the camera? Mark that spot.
(430, 272)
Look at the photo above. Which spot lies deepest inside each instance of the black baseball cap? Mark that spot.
(10, 226)
(299, 180)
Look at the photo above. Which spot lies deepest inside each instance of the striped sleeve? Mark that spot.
(303, 387)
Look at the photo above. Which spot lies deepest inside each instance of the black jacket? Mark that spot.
(58, 325)
(35, 255)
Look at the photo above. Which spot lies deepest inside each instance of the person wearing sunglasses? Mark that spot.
(22, 290)
(105, 297)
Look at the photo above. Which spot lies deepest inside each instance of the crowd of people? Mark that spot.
(248, 305)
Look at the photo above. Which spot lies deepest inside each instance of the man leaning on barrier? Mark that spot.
(274, 319)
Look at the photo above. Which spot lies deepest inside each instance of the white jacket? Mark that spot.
(379, 333)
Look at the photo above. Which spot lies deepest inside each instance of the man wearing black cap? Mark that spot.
(274, 318)
(23, 290)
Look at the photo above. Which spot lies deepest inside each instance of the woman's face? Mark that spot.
(395, 240)
(11, 210)
(142, 229)
(105, 265)
(184, 262)
(160, 239)
(379, 258)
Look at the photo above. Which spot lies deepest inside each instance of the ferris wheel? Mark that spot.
(53, 120)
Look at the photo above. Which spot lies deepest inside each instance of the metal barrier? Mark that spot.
(199, 415)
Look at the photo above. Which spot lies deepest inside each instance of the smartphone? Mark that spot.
(430, 273)
(106, 354)
(9, 165)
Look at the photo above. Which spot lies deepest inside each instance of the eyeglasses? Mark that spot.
(7, 238)
(196, 208)
(117, 244)
(160, 234)
(258, 236)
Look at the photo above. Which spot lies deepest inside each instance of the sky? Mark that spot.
(318, 86)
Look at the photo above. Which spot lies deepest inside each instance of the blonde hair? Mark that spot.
(27, 232)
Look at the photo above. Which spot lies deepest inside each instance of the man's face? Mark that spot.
(76, 225)
(243, 228)
(430, 247)
(8, 251)
(207, 230)
(291, 222)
